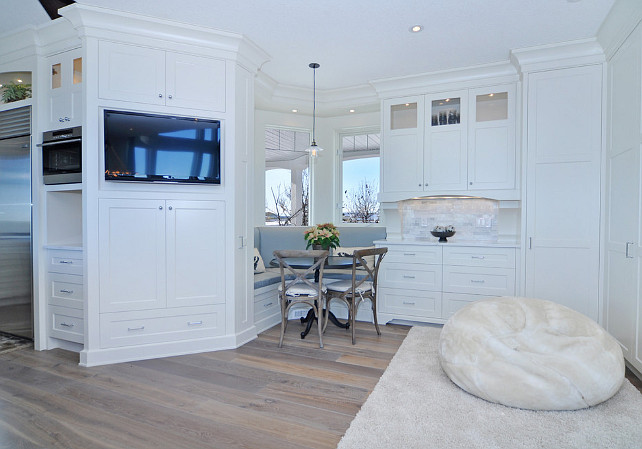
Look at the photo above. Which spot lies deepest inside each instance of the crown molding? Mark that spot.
(556, 56)
(109, 24)
(624, 17)
(273, 96)
(443, 80)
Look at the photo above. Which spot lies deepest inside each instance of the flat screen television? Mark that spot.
(147, 147)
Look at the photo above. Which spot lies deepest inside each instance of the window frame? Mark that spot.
(338, 187)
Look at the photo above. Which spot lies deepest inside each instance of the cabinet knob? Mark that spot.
(160, 95)
(169, 96)
(170, 208)
(67, 119)
(470, 183)
(160, 207)
(419, 184)
(426, 185)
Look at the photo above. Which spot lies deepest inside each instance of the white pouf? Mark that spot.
(530, 353)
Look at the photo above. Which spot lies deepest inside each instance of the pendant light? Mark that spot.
(314, 149)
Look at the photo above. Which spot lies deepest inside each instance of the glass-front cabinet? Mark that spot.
(451, 142)
(445, 141)
(402, 158)
(491, 138)
(64, 106)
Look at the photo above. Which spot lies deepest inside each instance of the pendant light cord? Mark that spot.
(314, 66)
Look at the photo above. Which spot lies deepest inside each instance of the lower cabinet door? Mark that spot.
(412, 303)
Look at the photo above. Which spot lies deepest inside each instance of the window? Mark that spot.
(287, 180)
(360, 177)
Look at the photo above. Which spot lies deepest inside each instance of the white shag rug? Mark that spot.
(415, 405)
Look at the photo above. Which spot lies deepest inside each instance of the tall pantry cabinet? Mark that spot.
(623, 223)
(562, 173)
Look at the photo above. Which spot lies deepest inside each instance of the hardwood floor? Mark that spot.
(257, 396)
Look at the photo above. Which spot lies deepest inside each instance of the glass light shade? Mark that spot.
(313, 149)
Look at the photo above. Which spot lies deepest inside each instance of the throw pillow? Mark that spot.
(349, 251)
(259, 266)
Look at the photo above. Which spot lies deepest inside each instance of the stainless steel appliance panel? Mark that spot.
(16, 314)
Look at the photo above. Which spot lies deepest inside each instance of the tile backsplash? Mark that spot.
(473, 218)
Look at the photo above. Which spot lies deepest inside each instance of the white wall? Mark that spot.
(323, 179)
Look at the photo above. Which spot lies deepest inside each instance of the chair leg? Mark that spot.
(284, 321)
(319, 312)
(327, 312)
(374, 314)
(353, 318)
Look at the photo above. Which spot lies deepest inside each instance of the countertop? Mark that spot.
(507, 243)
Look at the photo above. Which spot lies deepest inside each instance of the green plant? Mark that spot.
(14, 92)
(326, 235)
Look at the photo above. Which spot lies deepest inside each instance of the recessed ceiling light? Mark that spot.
(295, 110)
(416, 28)
(351, 110)
(491, 95)
(19, 80)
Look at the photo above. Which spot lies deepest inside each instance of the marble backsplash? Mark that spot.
(473, 218)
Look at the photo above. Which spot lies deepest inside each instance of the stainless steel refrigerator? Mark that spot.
(16, 297)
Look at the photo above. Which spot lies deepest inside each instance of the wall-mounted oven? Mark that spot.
(62, 156)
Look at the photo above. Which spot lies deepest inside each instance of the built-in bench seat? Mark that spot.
(267, 239)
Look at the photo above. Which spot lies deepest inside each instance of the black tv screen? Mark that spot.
(147, 147)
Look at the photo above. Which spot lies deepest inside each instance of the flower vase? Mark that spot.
(321, 247)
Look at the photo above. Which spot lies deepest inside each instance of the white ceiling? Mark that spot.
(357, 41)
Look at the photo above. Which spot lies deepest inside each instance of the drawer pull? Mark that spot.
(407, 276)
(478, 257)
(409, 254)
(129, 329)
(67, 262)
(67, 324)
(409, 303)
(194, 323)
(268, 304)
(477, 281)
(64, 290)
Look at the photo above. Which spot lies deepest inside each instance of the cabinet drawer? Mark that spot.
(66, 324)
(65, 290)
(411, 276)
(479, 256)
(479, 280)
(267, 306)
(127, 329)
(69, 262)
(410, 302)
(413, 254)
(452, 302)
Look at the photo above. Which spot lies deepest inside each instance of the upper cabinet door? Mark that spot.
(445, 161)
(491, 138)
(402, 150)
(131, 73)
(195, 82)
(64, 96)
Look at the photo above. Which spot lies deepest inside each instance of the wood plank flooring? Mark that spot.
(256, 396)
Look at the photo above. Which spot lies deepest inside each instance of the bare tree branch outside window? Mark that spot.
(360, 203)
(280, 208)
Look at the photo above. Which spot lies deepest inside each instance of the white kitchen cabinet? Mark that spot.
(65, 294)
(491, 138)
(623, 221)
(445, 161)
(64, 94)
(563, 186)
(153, 76)
(429, 283)
(402, 164)
(195, 245)
(453, 142)
(158, 254)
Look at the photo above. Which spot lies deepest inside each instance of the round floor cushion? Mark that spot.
(530, 353)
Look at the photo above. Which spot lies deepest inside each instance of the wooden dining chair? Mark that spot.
(298, 285)
(363, 285)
